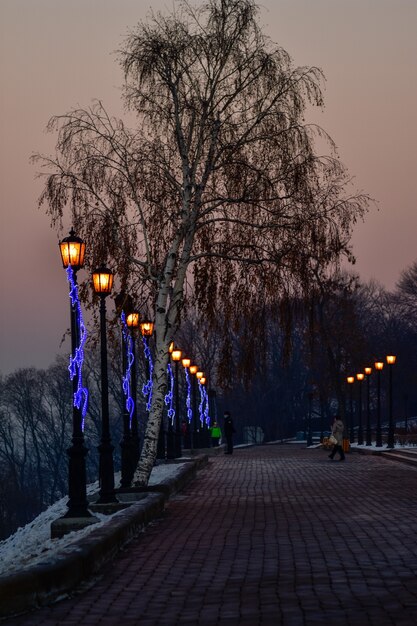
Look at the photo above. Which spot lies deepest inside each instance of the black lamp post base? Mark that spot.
(170, 444)
(178, 449)
(106, 473)
(127, 469)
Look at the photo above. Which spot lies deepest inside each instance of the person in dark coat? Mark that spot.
(337, 432)
(228, 432)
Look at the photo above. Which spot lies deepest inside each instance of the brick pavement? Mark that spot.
(271, 535)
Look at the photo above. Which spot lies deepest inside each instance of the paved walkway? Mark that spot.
(271, 535)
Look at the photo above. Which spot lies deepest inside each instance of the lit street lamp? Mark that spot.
(360, 377)
(176, 357)
(130, 442)
(170, 431)
(350, 380)
(103, 283)
(390, 443)
(72, 251)
(379, 367)
(196, 427)
(186, 363)
(368, 372)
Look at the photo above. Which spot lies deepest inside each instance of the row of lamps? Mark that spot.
(360, 377)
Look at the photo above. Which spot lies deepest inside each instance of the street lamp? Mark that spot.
(186, 363)
(350, 380)
(196, 443)
(72, 251)
(130, 444)
(368, 372)
(203, 432)
(102, 284)
(360, 377)
(379, 365)
(310, 409)
(176, 357)
(390, 443)
(205, 427)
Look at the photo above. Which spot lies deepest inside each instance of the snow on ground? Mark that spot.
(32, 543)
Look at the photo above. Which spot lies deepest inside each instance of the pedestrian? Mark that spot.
(229, 430)
(337, 432)
(215, 434)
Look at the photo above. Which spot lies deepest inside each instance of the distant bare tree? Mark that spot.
(219, 183)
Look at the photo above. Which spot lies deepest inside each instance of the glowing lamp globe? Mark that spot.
(350, 379)
(186, 362)
(146, 328)
(203, 380)
(200, 375)
(368, 371)
(102, 281)
(379, 365)
(193, 369)
(176, 355)
(72, 250)
(391, 359)
(360, 376)
(132, 320)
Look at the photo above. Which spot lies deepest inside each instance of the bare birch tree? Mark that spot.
(218, 185)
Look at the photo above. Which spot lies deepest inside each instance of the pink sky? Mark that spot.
(57, 54)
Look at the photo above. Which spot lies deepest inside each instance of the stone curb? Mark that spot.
(56, 576)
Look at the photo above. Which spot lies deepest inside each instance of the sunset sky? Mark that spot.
(58, 54)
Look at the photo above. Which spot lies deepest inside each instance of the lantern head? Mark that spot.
(103, 281)
(72, 250)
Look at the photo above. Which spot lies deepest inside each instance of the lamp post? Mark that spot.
(176, 357)
(390, 443)
(146, 329)
(205, 428)
(133, 323)
(195, 435)
(72, 251)
(186, 363)
(379, 367)
(350, 380)
(360, 377)
(310, 409)
(170, 431)
(202, 433)
(103, 283)
(368, 372)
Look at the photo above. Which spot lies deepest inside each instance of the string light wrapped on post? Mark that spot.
(103, 284)
(72, 251)
(146, 328)
(176, 357)
(126, 380)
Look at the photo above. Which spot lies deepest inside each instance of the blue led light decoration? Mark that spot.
(188, 400)
(201, 405)
(169, 398)
(80, 399)
(147, 388)
(127, 377)
(206, 408)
